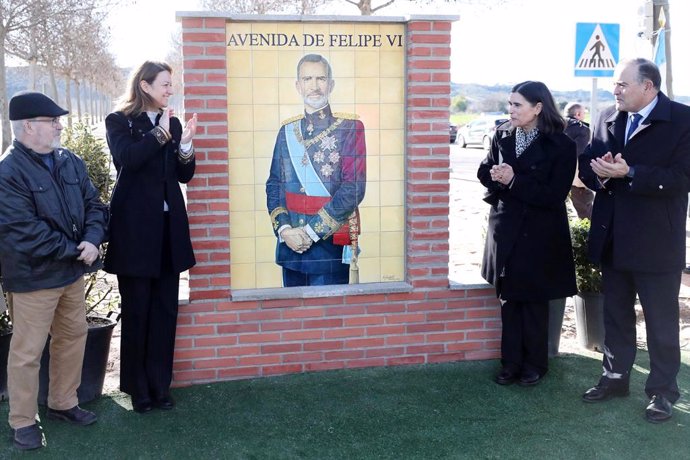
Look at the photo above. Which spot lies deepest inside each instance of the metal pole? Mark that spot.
(593, 103)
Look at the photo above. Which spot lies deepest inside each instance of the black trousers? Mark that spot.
(525, 336)
(658, 294)
(149, 321)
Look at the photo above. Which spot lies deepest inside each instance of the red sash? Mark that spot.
(310, 205)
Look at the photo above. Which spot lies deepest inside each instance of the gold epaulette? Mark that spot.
(291, 119)
(347, 116)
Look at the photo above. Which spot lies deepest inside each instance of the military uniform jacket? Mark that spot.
(317, 178)
(147, 174)
(528, 254)
(639, 223)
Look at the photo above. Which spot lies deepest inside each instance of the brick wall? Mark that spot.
(220, 339)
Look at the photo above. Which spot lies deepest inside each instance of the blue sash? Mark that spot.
(308, 178)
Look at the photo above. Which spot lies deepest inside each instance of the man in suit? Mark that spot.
(317, 180)
(638, 162)
(578, 131)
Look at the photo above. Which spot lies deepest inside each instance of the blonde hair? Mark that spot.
(135, 100)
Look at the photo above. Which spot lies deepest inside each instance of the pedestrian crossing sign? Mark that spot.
(596, 49)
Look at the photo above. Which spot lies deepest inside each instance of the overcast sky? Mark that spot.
(520, 40)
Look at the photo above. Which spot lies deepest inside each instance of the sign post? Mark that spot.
(597, 48)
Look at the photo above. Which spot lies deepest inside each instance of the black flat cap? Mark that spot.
(32, 104)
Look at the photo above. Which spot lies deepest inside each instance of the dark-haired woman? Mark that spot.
(528, 255)
(149, 232)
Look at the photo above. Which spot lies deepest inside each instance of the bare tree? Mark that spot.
(16, 16)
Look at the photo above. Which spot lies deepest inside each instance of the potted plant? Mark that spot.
(589, 301)
(101, 303)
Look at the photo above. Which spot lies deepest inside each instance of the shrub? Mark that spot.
(587, 274)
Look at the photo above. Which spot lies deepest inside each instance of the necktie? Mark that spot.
(636, 117)
(158, 117)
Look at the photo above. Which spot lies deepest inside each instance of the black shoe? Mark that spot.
(28, 437)
(686, 270)
(142, 406)
(529, 378)
(164, 402)
(605, 390)
(75, 415)
(506, 377)
(659, 409)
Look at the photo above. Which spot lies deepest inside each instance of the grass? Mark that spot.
(442, 411)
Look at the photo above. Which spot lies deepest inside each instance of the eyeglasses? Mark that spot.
(55, 121)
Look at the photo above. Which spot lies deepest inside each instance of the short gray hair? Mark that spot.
(17, 127)
(571, 109)
(316, 58)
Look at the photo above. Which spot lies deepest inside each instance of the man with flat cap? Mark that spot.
(51, 225)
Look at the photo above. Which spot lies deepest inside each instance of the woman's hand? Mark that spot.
(502, 173)
(189, 130)
(164, 121)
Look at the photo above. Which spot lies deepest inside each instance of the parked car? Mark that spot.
(479, 131)
(453, 132)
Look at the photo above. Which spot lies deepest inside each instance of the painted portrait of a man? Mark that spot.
(317, 181)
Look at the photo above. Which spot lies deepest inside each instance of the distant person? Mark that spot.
(149, 231)
(639, 165)
(576, 129)
(528, 256)
(316, 183)
(51, 225)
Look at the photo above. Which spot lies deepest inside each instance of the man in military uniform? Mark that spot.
(317, 180)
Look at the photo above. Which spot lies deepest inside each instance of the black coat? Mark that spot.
(528, 255)
(43, 218)
(147, 174)
(645, 216)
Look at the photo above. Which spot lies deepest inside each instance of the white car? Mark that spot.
(479, 131)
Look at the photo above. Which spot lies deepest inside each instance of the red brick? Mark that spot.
(215, 363)
(195, 353)
(302, 357)
(406, 360)
(322, 323)
(346, 310)
(321, 346)
(324, 366)
(303, 313)
(350, 354)
(214, 23)
(281, 325)
(370, 362)
(260, 315)
(363, 321)
(417, 26)
(188, 37)
(424, 349)
(446, 357)
(195, 330)
(284, 369)
(259, 360)
(341, 333)
(238, 328)
(378, 352)
(405, 339)
(302, 336)
(464, 346)
(215, 341)
(240, 351)
(365, 343)
(239, 372)
(259, 338)
(192, 23)
(194, 376)
(429, 327)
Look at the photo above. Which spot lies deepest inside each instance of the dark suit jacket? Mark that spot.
(639, 224)
(147, 174)
(528, 255)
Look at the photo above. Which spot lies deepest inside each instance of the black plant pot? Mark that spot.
(95, 362)
(589, 319)
(4, 352)
(556, 311)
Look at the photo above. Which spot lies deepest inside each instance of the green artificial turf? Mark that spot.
(442, 411)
